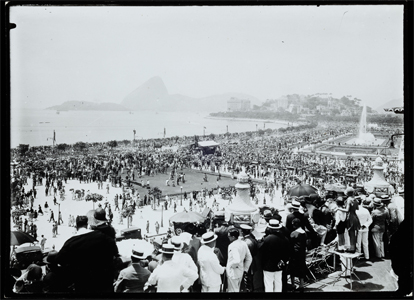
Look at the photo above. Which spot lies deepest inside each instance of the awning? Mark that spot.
(208, 144)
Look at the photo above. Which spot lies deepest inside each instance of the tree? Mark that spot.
(112, 144)
(23, 148)
(212, 136)
(80, 146)
(126, 142)
(62, 147)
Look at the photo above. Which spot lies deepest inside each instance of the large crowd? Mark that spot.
(225, 256)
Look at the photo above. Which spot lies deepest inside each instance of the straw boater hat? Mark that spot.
(377, 202)
(366, 203)
(385, 199)
(274, 224)
(208, 237)
(177, 242)
(137, 253)
(186, 237)
(167, 249)
(245, 227)
(294, 205)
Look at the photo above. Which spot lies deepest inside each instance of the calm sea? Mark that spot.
(35, 127)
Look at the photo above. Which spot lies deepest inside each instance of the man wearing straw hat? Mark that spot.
(275, 254)
(365, 219)
(171, 277)
(180, 257)
(133, 278)
(210, 268)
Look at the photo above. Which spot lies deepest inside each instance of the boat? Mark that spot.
(58, 112)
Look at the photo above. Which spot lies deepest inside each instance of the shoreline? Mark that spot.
(250, 120)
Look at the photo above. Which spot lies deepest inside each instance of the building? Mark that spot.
(234, 104)
(282, 102)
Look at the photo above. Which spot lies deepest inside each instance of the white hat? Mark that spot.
(294, 204)
(177, 242)
(186, 237)
(137, 253)
(274, 224)
(208, 237)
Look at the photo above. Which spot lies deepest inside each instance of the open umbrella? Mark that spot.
(302, 190)
(187, 217)
(20, 237)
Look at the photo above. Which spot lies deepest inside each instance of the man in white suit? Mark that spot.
(171, 277)
(210, 268)
(365, 219)
(238, 261)
(180, 258)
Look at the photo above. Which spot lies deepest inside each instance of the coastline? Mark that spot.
(250, 120)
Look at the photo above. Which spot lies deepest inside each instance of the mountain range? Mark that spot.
(154, 96)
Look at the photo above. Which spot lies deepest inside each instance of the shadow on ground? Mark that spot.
(364, 286)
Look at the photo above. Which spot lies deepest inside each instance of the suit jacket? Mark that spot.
(170, 276)
(239, 259)
(132, 279)
(210, 268)
(304, 221)
(89, 261)
(274, 249)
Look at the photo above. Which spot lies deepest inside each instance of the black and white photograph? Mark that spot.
(207, 149)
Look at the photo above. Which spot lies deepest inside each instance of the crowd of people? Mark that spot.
(228, 256)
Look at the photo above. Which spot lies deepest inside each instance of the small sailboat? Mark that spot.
(57, 112)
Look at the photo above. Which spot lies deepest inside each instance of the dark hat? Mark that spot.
(100, 214)
(34, 272)
(377, 202)
(349, 191)
(51, 257)
(208, 237)
(267, 213)
(137, 253)
(167, 249)
(274, 224)
(313, 198)
(306, 199)
(366, 203)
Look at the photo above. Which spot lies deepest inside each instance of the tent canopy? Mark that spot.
(208, 144)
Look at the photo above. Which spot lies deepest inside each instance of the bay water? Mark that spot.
(35, 127)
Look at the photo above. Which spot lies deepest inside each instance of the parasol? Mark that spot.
(337, 187)
(187, 217)
(302, 190)
(20, 237)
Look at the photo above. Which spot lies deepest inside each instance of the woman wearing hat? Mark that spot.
(379, 216)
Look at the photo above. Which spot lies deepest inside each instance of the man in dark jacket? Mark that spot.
(102, 224)
(275, 255)
(294, 207)
(88, 258)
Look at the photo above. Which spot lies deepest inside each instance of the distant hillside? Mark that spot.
(390, 104)
(84, 105)
(153, 95)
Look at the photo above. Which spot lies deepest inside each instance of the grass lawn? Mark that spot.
(193, 182)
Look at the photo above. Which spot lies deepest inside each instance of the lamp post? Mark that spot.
(134, 137)
(256, 127)
(162, 217)
(181, 196)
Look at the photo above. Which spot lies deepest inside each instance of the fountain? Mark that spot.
(364, 137)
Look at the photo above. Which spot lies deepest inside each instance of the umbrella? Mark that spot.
(19, 237)
(337, 187)
(302, 190)
(187, 217)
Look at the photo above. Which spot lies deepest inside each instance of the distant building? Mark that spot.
(234, 104)
(325, 96)
(282, 102)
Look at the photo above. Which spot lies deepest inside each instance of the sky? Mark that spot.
(103, 53)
